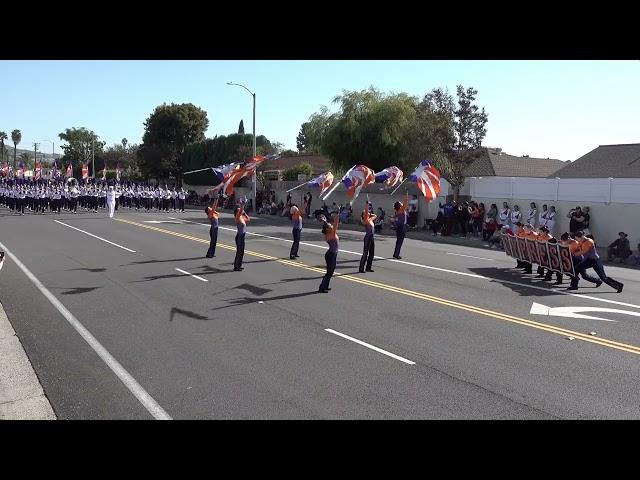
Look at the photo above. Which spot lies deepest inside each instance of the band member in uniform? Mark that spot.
(330, 232)
(542, 216)
(529, 234)
(532, 216)
(592, 260)
(212, 213)
(181, 197)
(111, 200)
(544, 237)
(504, 216)
(516, 215)
(296, 218)
(368, 219)
(401, 224)
(241, 223)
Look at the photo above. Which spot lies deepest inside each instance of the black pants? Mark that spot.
(329, 257)
(296, 242)
(20, 205)
(596, 264)
(181, 204)
(401, 231)
(73, 204)
(237, 263)
(368, 252)
(213, 233)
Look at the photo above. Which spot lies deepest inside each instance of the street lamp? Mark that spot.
(254, 184)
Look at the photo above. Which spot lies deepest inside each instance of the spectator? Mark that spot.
(462, 215)
(576, 219)
(477, 214)
(619, 249)
(449, 211)
(335, 209)
(414, 203)
(636, 257)
(438, 224)
(491, 223)
(496, 239)
(379, 220)
(585, 222)
(412, 218)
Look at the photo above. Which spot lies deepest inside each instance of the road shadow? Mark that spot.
(143, 262)
(246, 301)
(93, 270)
(298, 279)
(541, 288)
(78, 290)
(186, 313)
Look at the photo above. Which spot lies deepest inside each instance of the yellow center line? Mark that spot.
(419, 295)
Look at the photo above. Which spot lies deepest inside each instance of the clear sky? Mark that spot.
(557, 109)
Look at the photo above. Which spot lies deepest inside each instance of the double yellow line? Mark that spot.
(422, 296)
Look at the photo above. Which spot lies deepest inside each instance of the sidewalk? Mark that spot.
(21, 395)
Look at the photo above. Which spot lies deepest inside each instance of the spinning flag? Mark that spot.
(85, 171)
(38, 173)
(390, 177)
(357, 178)
(427, 178)
(69, 172)
(323, 182)
(104, 171)
(242, 170)
(20, 171)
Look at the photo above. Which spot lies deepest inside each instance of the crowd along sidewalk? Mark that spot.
(21, 395)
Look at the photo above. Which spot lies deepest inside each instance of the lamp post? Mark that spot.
(254, 184)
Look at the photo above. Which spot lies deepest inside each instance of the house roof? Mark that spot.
(498, 164)
(319, 164)
(618, 161)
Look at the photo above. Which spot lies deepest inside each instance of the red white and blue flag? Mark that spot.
(104, 171)
(243, 170)
(117, 172)
(38, 172)
(356, 179)
(427, 177)
(20, 172)
(85, 170)
(69, 172)
(6, 169)
(390, 177)
(322, 182)
(55, 173)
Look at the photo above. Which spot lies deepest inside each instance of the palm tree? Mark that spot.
(16, 137)
(3, 137)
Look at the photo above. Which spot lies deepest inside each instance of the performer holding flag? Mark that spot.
(212, 213)
(241, 223)
(368, 219)
(296, 218)
(389, 177)
(330, 232)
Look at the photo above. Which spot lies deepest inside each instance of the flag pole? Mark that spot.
(295, 188)
(336, 185)
(398, 186)
(201, 170)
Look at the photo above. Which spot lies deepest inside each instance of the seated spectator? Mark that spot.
(438, 224)
(345, 214)
(620, 249)
(496, 239)
(636, 257)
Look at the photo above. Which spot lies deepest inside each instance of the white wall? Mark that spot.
(614, 203)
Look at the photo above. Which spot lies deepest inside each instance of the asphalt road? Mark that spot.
(445, 333)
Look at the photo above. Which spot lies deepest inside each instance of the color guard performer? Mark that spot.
(213, 214)
(401, 224)
(368, 219)
(330, 232)
(296, 218)
(591, 259)
(241, 223)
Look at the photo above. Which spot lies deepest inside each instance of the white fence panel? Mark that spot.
(625, 190)
(583, 190)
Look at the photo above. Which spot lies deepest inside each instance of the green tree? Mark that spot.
(82, 145)
(461, 130)
(169, 130)
(301, 139)
(241, 128)
(292, 173)
(370, 128)
(3, 137)
(25, 157)
(16, 138)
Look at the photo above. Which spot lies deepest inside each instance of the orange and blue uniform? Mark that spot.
(212, 214)
(241, 223)
(330, 232)
(591, 259)
(368, 251)
(401, 225)
(296, 218)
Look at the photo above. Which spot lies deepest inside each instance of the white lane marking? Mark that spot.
(471, 256)
(574, 312)
(95, 236)
(134, 387)
(192, 275)
(372, 347)
(446, 270)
